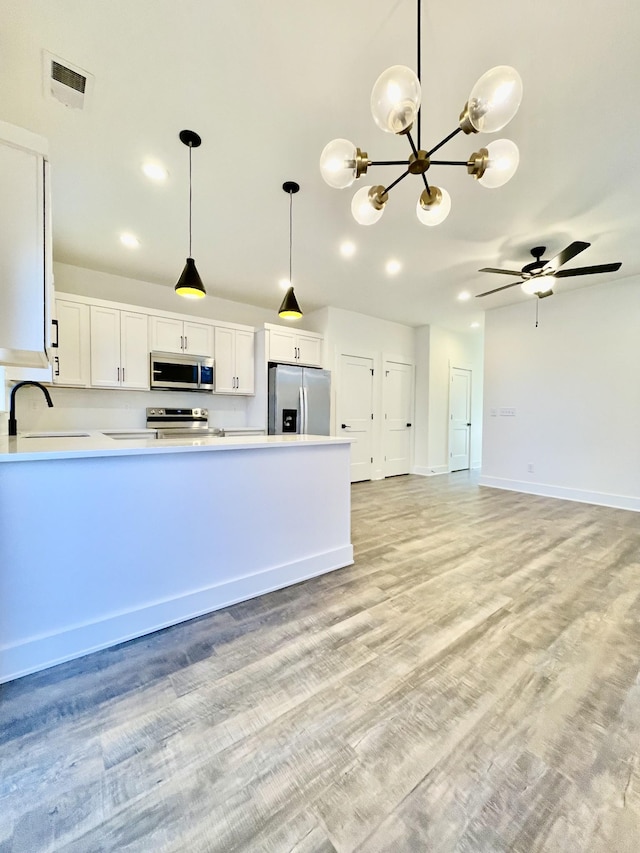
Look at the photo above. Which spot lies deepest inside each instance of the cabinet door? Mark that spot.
(23, 258)
(134, 350)
(166, 334)
(198, 338)
(245, 361)
(70, 357)
(309, 349)
(224, 360)
(105, 347)
(282, 345)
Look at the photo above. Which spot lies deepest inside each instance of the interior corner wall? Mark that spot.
(562, 401)
(439, 350)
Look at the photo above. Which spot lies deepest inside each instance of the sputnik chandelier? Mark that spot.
(395, 106)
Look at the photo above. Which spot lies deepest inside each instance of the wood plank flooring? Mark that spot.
(471, 684)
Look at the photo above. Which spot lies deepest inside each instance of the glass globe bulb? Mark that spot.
(495, 98)
(363, 211)
(434, 214)
(395, 99)
(503, 163)
(338, 163)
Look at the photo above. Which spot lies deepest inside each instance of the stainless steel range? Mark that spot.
(181, 423)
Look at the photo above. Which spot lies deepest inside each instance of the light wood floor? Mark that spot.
(470, 684)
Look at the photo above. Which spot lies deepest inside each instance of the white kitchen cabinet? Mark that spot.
(70, 344)
(169, 334)
(119, 349)
(25, 249)
(234, 361)
(294, 346)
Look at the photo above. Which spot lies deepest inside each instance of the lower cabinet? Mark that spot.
(234, 361)
(119, 349)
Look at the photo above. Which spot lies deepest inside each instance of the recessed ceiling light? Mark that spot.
(475, 325)
(284, 283)
(155, 171)
(464, 296)
(393, 267)
(129, 240)
(347, 249)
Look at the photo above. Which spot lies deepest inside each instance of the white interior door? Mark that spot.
(398, 417)
(355, 412)
(459, 419)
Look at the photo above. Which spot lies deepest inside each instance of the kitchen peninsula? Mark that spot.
(103, 540)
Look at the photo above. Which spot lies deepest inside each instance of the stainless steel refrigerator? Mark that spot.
(299, 400)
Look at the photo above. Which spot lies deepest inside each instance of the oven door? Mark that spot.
(170, 371)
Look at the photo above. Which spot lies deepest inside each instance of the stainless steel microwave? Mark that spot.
(172, 371)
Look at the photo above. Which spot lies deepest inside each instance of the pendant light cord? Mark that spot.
(418, 122)
(190, 197)
(290, 234)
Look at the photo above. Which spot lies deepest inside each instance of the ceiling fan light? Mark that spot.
(367, 205)
(338, 163)
(290, 310)
(535, 285)
(395, 99)
(495, 99)
(190, 284)
(434, 207)
(503, 158)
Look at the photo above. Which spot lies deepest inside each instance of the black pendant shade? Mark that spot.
(289, 309)
(190, 284)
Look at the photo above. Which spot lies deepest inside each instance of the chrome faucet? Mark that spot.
(13, 424)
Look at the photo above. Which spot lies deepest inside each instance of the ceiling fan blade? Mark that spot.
(588, 270)
(565, 255)
(497, 289)
(503, 272)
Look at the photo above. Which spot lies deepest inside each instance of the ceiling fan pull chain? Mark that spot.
(537, 304)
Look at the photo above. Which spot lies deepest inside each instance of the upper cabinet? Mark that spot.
(294, 346)
(119, 349)
(70, 344)
(25, 249)
(168, 334)
(234, 361)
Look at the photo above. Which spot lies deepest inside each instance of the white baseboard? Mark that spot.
(37, 653)
(580, 495)
(423, 471)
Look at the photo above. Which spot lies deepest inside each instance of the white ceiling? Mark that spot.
(267, 84)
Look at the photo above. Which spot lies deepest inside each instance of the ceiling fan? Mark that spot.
(537, 277)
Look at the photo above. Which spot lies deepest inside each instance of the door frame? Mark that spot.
(386, 359)
(454, 366)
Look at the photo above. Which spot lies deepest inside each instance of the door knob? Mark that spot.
(408, 424)
(346, 426)
(468, 424)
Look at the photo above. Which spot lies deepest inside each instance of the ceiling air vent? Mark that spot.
(65, 82)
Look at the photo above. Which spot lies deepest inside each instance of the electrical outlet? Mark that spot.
(530, 467)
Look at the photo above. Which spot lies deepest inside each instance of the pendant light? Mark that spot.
(190, 284)
(290, 310)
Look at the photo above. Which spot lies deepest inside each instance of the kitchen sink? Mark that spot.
(128, 436)
(56, 435)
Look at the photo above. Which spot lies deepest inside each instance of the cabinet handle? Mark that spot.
(123, 374)
(55, 323)
(181, 342)
(186, 343)
(57, 371)
(118, 374)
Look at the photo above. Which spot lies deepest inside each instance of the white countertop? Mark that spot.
(34, 446)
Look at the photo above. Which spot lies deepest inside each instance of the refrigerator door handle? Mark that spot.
(306, 411)
(300, 429)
